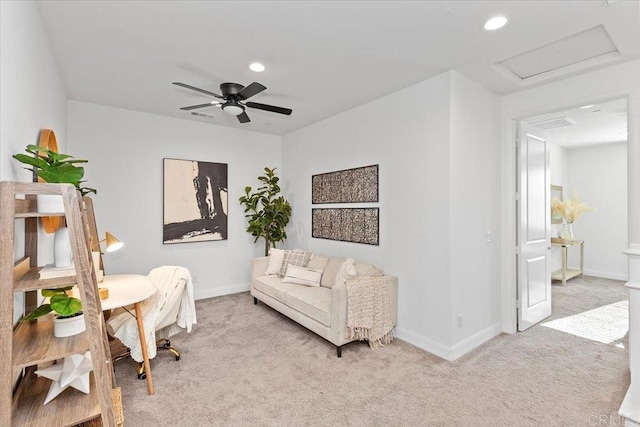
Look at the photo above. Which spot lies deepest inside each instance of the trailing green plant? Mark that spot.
(55, 168)
(59, 302)
(267, 211)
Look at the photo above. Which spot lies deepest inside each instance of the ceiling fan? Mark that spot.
(233, 100)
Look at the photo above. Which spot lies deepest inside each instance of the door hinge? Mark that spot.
(517, 196)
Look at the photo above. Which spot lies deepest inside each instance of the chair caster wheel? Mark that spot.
(177, 358)
(142, 376)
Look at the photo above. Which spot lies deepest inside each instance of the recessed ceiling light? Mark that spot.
(257, 67)
(584, 107)
(495, 23)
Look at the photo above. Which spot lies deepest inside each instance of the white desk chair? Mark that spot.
(166, 313)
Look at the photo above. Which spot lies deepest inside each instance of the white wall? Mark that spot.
(411, 145)
(559, 176)
(474, 213)
(447, 130)
(599, 174)
(32, 97)
(125, 151)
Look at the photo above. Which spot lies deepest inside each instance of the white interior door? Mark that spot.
(534, 227)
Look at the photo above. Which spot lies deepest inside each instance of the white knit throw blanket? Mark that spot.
(368, 311)
(166, 279)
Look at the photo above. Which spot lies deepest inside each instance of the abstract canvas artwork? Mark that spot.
(357, 225)
(195, 201)
(358, 185)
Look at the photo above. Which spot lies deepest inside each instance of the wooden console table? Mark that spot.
(566, 273)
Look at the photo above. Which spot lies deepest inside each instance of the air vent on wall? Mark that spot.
(557, 122)
(203, 115)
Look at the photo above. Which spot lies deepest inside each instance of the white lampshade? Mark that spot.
(234, 110)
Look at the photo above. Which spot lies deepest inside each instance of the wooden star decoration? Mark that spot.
(73, 372)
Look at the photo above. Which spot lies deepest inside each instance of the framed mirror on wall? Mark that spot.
(556, 193)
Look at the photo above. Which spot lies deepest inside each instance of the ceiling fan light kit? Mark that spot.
(234, 95)
(232, 108)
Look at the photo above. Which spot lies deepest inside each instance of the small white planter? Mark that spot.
(50, 203)
(68, 326)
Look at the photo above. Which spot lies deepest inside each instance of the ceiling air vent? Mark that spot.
(203, 115)
(558, 122)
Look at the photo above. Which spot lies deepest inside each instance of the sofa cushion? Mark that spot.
(296, 257)
(330, 271)
(314, 302)
(302, 276)
(318, 262)
(273, 286)
(368, 270)
(276, 256)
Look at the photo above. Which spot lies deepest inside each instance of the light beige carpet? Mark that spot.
(247, 365)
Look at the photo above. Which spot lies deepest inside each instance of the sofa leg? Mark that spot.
(339, 350)
(255, 301)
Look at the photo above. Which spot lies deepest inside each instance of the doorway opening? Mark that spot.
(584, 161)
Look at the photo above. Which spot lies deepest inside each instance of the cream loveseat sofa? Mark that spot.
(321, 309)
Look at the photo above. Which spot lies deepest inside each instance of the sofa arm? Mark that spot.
(259, 267)
(339, 308)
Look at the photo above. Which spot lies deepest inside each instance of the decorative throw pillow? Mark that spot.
(297, 258)
(276, 256)
(346, 271)
(303, 276)
(368, 270)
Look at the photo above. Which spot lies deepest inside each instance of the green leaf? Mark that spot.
(40, 311)
(65, 305)
(48, 293)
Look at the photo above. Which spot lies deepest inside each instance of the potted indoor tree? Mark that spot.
(69, 319)
(267, 211)
(54, 168)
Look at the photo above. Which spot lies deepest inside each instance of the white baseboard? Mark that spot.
(630, 408)
(606, 275)
(217, 292)
(443, 351)
(476, 340)
(424, 343)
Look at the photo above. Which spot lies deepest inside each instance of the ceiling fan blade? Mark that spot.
(198, 89)
(193, 107)
(272, 108)
(253, 89)
(243, 118)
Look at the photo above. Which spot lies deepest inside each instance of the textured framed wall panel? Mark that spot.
(358, 185)
(357, 225)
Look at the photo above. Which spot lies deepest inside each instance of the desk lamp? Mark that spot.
(112, 244)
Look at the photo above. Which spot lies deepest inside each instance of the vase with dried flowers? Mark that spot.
(570, 210)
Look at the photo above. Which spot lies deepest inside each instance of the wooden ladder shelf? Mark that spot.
(23, 347)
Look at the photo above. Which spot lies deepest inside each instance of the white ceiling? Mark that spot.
(604, 123)
(322, 57)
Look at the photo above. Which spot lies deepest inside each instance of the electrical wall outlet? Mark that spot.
(459, 320)
(194, 277)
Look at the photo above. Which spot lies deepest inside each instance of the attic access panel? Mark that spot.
(572, 53)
